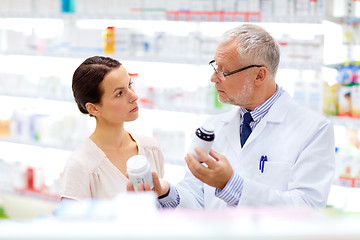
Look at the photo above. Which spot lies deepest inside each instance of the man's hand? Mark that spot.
(161, 187)
(218, 171)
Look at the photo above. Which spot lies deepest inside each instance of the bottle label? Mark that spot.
(205, 136)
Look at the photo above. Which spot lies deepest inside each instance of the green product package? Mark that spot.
(2, 213)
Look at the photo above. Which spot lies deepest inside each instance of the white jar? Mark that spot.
(139, 171)
(203, 138)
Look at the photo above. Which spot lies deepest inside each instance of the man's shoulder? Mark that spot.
(298, 110)
(301, 115)
(307, 112)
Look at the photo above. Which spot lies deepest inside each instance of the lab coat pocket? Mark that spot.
(274, 174)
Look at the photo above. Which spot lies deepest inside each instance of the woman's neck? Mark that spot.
(110, 137)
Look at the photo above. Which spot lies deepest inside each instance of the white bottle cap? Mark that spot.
(208, 128)
(137, 164)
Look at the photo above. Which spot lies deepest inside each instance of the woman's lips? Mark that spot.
(135, 109)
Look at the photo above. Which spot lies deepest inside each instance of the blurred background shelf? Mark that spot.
(169, 44)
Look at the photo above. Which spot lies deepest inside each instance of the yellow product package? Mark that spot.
(330, 100)
(344, 100)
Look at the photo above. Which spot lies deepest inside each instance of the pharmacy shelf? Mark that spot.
(39, 144)
(349, 122)
(41, 195)
(300, 66)
(194, 110)
(344, 195)
(351, 182)
(172, 160)
(345, 121)
(293, 19)
(341, 121)
(39, 96)
(343, 20)
(155, 59)
(188, 16)
(85, 54)
(88, 16)
(173, 108)
(337, 66)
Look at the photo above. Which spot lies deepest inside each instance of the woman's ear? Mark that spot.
(261, 76)
(92, 109)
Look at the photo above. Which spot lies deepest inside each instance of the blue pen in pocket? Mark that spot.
(263, 159)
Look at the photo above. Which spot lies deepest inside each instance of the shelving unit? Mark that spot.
(348, 122)
(156, 67)
(345, 15)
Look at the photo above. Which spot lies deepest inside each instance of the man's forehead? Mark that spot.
(226, 51)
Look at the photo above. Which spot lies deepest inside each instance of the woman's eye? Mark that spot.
(119, 94)
(130, 84)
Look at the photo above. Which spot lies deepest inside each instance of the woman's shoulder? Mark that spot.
(87, 155)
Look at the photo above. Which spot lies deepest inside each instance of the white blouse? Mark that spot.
(90, 174)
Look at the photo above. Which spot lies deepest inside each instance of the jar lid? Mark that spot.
(137, 164)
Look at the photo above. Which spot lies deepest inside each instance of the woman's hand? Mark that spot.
(161, 187)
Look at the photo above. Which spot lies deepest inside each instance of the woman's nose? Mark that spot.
(134, 97)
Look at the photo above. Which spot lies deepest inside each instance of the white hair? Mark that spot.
(254, 44)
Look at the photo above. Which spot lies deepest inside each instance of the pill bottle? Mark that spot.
(109, 40)
(139, 171)
(203, 138)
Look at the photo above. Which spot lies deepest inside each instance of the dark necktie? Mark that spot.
(245, 129)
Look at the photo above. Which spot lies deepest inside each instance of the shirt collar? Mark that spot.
(260, 111)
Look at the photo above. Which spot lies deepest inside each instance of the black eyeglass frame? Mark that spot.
(232, 72)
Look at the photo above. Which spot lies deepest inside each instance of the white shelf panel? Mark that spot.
(345, 121)
(82, 55)
(38, 144)
(342, 20)
(156, 59)
(40, 97)
(192, 110)
(81, 16)
(293, 19)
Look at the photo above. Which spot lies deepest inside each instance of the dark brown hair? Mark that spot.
(87, 78)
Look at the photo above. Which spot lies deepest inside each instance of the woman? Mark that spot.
(97, 168)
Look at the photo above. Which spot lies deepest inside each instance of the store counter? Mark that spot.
(126, 218)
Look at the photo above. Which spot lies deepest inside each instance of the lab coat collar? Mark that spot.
(231, 119)
(279, 110)
(276, 114)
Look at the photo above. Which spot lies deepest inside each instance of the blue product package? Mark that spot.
(68, 6)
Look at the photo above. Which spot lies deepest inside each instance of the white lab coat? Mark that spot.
(299, 145)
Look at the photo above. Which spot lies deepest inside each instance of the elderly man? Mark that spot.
(268, 150)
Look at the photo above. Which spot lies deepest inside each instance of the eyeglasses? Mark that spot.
(222, 75)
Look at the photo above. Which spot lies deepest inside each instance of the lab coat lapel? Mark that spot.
(276, 114)
(232, 128)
